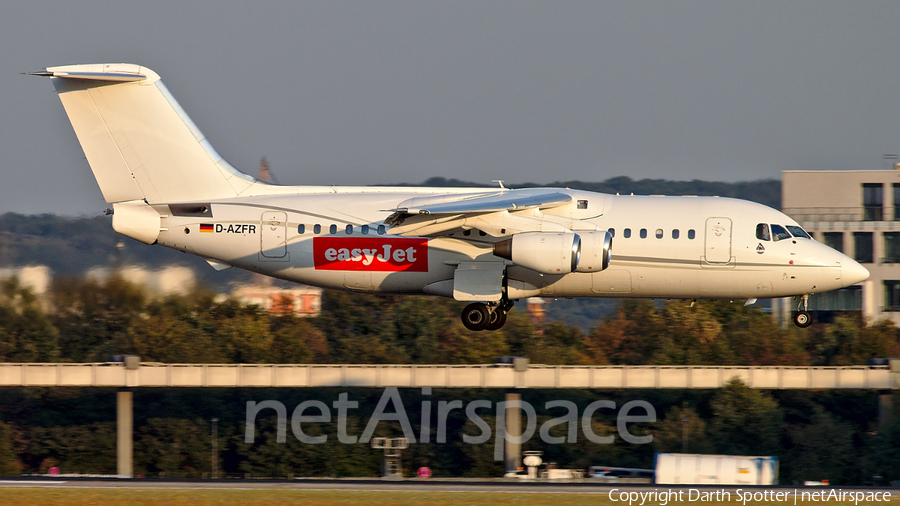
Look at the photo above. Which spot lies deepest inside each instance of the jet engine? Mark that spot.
(595, 251)
(545, 252)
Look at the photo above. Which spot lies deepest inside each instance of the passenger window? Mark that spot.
(349, 229)
(675, 233)
(762, 232)
(779, 233)
(643, 233)
(380, 229)
(333, 229)
(798, 232)
(612, 232)
(301, 229)
(317, 229)
(626, 233)
(691, 234)
(659, 233)
(365, 229)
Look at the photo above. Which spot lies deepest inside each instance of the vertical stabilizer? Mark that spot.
(139, 142)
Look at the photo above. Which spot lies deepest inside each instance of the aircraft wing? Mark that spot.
(498, 214)
(505, 201)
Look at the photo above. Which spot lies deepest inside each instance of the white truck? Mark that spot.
(688, 469)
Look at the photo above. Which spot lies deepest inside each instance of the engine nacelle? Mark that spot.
(596, 250)
(545, 252)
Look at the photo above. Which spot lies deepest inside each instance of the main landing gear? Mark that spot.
(478, 316)
(802, 318)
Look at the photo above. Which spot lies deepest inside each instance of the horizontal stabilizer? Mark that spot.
(119, 77)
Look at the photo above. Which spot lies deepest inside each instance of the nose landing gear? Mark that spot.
(478, 316)
(802, 317)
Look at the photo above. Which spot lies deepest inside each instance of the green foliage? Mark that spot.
(26, 332)
(745, 421)
(881, 452)
(827, 435)
(9, 463)
(682, 430)
(821, 449)
(846, 342)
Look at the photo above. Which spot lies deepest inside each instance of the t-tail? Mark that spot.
(142, 147)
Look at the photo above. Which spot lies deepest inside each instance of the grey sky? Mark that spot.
(387, 91)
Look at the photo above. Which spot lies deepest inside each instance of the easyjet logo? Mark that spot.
(370, 254)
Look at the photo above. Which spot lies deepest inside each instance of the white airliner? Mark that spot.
(489, 246)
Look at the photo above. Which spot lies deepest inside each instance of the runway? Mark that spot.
(433, 485)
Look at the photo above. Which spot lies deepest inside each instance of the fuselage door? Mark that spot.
(273, 243)
(718, 240)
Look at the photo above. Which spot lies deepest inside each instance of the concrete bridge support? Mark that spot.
(125, 441)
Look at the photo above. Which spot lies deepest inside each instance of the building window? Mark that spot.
(891, 295)
(896, 201)
(863, 247)
(873, 201)
(892, 247)
(845, 299)
(834, 240)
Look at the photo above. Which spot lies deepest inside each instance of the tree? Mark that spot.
(26, 332)
(9, 464)
(93, 318)
(745, 421)
(681, 425)
(822, 450)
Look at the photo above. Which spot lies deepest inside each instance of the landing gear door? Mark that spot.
(478, 281)
(718, 241)
(273, 236)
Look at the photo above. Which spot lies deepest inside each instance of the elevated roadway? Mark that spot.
(131, 374)
(151, 375)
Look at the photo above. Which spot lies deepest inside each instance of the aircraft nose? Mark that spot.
(852, 272)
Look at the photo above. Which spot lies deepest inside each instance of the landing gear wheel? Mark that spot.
(476, 316)
(802, 319)
(498, 319)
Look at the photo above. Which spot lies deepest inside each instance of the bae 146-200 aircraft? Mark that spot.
(488, 246)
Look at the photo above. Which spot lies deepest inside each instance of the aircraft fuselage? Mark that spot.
(668, 247)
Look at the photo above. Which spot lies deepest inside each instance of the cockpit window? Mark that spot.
(798, 232)
(762, 232)
(779, 233)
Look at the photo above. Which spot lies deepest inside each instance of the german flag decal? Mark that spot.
(206, 227)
